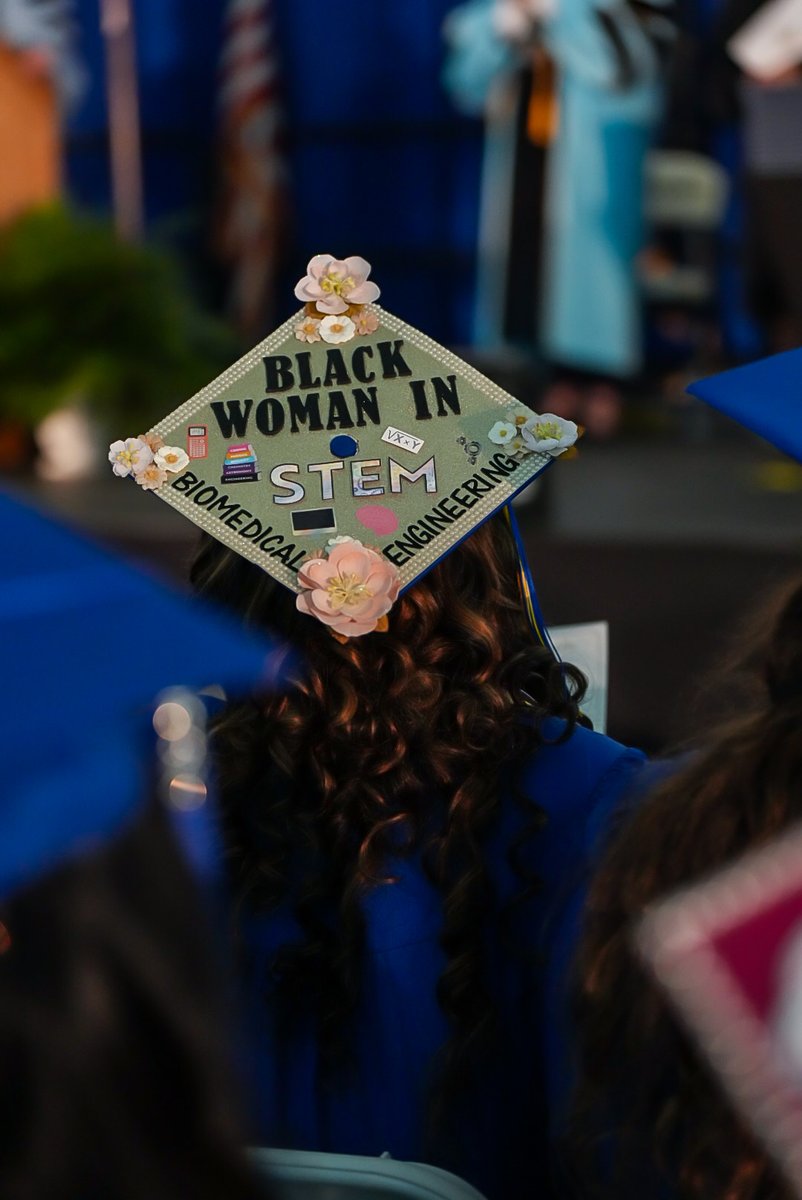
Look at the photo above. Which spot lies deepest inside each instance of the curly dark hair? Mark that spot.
(388, 743)
(644, 1090)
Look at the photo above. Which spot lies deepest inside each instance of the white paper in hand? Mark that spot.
(586, 646)
(770, 42)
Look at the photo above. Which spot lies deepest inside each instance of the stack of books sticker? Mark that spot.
(240, 465)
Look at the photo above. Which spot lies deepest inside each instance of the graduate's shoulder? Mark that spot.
(569, 767)
(579, 779)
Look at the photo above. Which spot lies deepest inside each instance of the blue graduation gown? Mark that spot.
(381, 1105)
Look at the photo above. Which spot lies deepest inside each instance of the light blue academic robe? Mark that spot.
(504, 1128)
(594, 218)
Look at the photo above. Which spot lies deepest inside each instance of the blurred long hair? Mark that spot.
(646, 1098)
(115, 1083)
(388, 744)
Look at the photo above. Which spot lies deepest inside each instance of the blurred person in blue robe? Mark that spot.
(116, 1080)
(650, 1118)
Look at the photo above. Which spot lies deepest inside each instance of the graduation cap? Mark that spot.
(88, 645)
(728, 952)
(347, 453)
(765, 396)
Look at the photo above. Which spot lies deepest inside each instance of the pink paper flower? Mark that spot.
(366, 321)
(332, 284)
(308, 330)
(151, 440)
(351, 590)
(151, 478)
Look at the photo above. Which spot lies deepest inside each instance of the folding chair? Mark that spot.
(685, 193)
(310, 1175)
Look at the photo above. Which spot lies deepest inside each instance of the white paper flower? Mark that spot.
(549, 434)
(337, 329)
(338, 541)
(129, 457)
(502, 432)
(518, 446)
(171, 459)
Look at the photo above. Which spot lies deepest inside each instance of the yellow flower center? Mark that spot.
(171, 458)
(548, 429)
(347, 590)
(338, 284)
(521, 420)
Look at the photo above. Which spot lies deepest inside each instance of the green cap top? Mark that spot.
(345, 425)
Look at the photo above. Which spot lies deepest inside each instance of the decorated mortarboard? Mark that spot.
(728, 951)
(89, 643)
(346, 454)
(765, 396)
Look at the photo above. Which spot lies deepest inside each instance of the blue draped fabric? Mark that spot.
(177, 51)
(380, 163)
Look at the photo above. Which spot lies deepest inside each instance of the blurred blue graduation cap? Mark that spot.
(87, 644)
(765, 396)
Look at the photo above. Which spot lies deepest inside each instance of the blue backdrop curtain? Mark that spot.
(380, 164)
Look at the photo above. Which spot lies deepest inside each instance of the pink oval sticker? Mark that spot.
(377, 518)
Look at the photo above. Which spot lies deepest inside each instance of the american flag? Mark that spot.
(253, 201)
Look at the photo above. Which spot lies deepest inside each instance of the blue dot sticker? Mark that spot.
(343, 446)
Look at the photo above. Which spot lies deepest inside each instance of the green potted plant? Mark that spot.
(87, 318)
